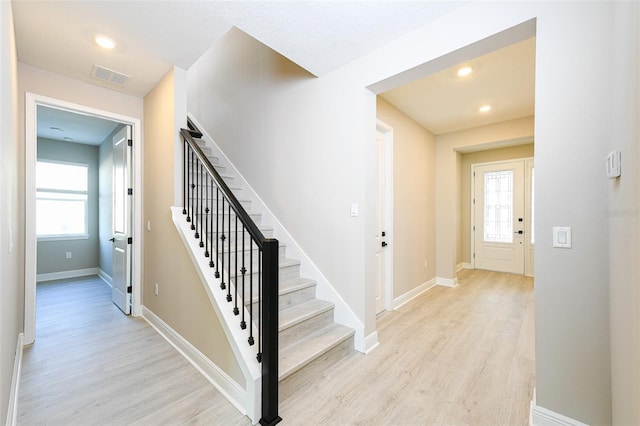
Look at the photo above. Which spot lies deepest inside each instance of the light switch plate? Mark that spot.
(354, 210)
(562, 236)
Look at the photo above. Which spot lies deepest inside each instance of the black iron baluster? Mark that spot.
(201, 199)
(197, 216)
(211, 236)
(222, 238)
(229, 297)
(235, 267)
(185, 169)
(250, 340)
(188, 188)
(243, 323)
(217, 274)
(194, 195)
(206, 211)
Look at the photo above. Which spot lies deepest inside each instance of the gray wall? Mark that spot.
(51, 254)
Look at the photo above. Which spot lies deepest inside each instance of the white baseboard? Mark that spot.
(12, 409)
(447, 282)
(463, 265)
(218, 378)
(105, 277)
(412, 294)
(541, 416)
(63, 275)
(371, 342)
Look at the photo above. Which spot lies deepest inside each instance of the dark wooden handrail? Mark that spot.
(255, 233)
(200, 213)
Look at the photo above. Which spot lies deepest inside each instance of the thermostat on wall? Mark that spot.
(614, 167)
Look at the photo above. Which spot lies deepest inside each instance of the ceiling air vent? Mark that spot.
(105, 74)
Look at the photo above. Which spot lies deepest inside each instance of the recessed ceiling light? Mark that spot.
(56, 129)
(105, 42)
(485, 108)
(464, 71)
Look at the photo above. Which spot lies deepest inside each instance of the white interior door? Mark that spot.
(380, 220)
(500, 217)
(121, 288)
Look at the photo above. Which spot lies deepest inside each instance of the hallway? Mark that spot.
(91, 364)
(461, 356)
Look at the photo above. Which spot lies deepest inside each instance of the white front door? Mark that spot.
(500, 220)
(121, 289)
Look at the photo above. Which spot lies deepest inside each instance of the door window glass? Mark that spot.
(498, 206)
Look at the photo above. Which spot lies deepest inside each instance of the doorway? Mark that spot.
(33, 102)
(384, 218)
(502, 216)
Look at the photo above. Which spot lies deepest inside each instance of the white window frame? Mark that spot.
(66, 237)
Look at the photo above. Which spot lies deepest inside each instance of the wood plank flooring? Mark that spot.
(93, 365)
(461, 356)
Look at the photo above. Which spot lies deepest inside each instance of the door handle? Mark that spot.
(113, 240)
(384, 244)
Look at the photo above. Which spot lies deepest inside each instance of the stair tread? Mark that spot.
(288, 286)
(303, 351)
(302, 311)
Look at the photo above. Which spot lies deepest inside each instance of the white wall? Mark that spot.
(623, 215)
(297, 140)
(11, 209)
(310, 154)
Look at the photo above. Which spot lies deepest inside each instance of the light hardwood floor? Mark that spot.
(461, 356)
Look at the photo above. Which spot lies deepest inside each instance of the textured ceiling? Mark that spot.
(152, 36)
(320, 36)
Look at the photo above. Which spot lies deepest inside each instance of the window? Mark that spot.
(498, 206)
(61, 200)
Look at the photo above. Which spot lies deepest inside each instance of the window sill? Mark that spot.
(63, 237)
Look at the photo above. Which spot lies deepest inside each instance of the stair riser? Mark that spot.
(289, 335)
(247, 238)
(215, 163)
(296, 297)
(307, 375)
(292, 298)
(237, 191)
(230, 258)
(223, 219)
(196, 175)
(285, 273)
(211, 203)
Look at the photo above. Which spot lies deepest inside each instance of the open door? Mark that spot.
(122, 232)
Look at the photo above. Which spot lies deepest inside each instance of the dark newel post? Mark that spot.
(270, 333)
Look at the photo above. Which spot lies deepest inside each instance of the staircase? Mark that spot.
(308, 338)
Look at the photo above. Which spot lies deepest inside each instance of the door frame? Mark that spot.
(387, 253)
(527, 204)
(32, 101)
